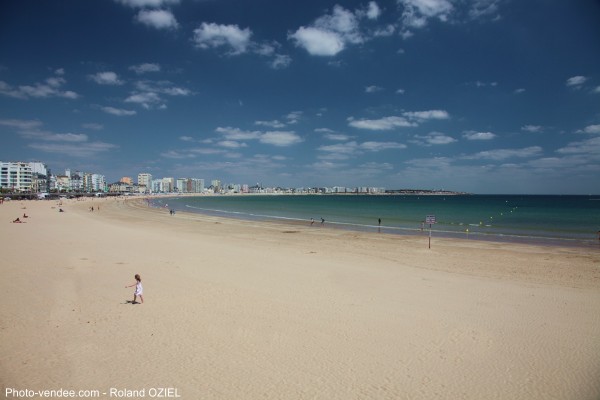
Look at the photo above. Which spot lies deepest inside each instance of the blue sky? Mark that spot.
(484, 96)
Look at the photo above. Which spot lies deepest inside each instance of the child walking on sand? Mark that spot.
(139, 290)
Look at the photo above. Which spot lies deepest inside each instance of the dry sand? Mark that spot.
(248, 310)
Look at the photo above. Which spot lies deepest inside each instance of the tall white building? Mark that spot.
(145, 180)
(16, 176)
(94, 183)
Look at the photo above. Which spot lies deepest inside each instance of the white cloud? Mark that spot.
(280, 138)
(416, 12)
(144, 68)
(426, 115)
(379, 146)
(481, 8)
(21, 124)
(50, 88)
(373, 11)
(433, 138)
(591, 129)
(211, 35)
(471, 135)
(93, 126)
(231, 144)
(318, 42)
(271, 124)
(118, 111)
(237, 134)
(146, 3)
(532, 128)
(588, 146)
(88, 149)
(373, 89)
(576, 81)
(400, 91)
(596, 90)
(330, 33)
(408, 119)
(294, 117)
(159, 19)
(502, 154)
(146, 99)
(382, 124)
(106, 78)
(72, 144)
(519, 91)
(280, 61)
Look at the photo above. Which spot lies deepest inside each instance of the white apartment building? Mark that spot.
(16, 176)
(145, 180)
(94, 183)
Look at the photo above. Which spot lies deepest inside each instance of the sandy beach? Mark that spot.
(256, 310)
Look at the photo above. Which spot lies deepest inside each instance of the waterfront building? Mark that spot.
(127, 179)
(145, 181)
(63, 183)
(94, 183)
(16, 176)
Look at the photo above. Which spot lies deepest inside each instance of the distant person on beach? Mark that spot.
(25, 216)
(379, 221)
(139, 290)
(312, 221)
(322, 221)
(17, 221)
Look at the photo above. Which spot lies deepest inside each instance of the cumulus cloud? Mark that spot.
(106, 78)
(211, 35)
(72, 144)
(381, 124)
(271, 124)
(159, 19)
(426, 115)
(532, 128)
(144, 68)
(373, 89)
(502, 154)
(50, 88)
(275, 138)
(373, 12)
(318, 42)
(406, 120)
(238, 134)
(576, 81)
(472, 135)
(118, 111)
(588, 146)
(416, 13)
(593, 129)
(149, 94)
(280, 61)
(238, 41)
(331, 33)
(343, 151)
(280, 138)
(433, 138)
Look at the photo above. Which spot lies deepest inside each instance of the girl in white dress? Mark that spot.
(139, 290)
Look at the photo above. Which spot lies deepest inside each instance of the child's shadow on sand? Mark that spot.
(131, 302)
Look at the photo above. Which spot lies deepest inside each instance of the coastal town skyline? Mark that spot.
(480, 96)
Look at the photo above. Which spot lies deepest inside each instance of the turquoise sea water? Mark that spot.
(568, 220)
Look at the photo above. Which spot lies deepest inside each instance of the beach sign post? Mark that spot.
(430, 219)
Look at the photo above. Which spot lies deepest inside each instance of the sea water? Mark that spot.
(568, 220)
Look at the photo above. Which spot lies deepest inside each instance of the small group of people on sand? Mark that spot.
(18, 220)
